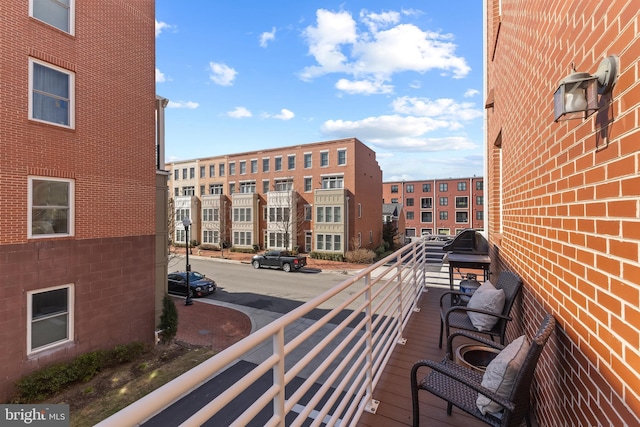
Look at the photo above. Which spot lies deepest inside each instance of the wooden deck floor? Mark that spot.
(394, 390)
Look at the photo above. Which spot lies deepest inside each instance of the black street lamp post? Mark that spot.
(186, 221)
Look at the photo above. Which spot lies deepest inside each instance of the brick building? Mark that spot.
(79, 179)
(318, 197)
(563, 197)
(438, 206)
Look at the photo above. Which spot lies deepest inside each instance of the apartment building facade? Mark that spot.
(79, 168)
(563, 193)
(438, 206)
(317, 197)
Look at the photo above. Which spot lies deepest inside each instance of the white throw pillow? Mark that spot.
(501, 374)
(487, 298)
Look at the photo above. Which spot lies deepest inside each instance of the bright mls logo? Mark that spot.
(34, 415)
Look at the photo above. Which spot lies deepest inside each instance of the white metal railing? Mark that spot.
(336, 360)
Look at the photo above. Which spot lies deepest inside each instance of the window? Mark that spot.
(176, 174)
(189, 191)
(278, 166)
(479, 200)
(192, 173)
(291, 161)
(212, 171)
(279, 214)
(426, 202)
(57, 13)
(51, 207)
(232, 168)
(443, 215)
(176, 191)
(307, 161)
(207, 214)
(184, 173)
(409, 201)
(215, 189)
(242, 238)
(324, 159)
(394, 200)
(329, 214)
(265, 186)
(394, 188)
(265, 165)
(426, 216)
(462, 186)
(182, 213)
(359, 210)
(462, 202)
(49, 317)
(479, 185)
(210, 236)
(480, 215)
(232, 187)
(221, 169)
(462, 216)
(283, 185)
(254, 166)
(409, 215)
(248, 187)
(243, 167)
(202, 190)
(329, 242)
(242, 215)
(307, 184)
(426, 188)
(342, 157)
(332, 182)
(52, 94)
(308, 212)
(444, 186)
(444, 201)
(202, 172)
(409, 188)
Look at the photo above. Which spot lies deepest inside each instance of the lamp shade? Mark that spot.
(576, 97)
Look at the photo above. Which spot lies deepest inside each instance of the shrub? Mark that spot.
(168, 320)
(329, 256)
(361, 256)
(243, 250)
(48, 381)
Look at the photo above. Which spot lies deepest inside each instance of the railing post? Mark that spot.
(371, 404)
(278, 377)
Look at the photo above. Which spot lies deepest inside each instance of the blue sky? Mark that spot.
(404, 77)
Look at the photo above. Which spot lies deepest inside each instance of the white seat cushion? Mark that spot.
(487, 298)
(501, 374)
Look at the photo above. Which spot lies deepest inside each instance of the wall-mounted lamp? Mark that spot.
(577, 96)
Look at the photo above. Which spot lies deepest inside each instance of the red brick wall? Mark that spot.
(564, 205)
(110, 155)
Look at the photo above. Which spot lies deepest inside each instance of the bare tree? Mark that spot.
(285, 218)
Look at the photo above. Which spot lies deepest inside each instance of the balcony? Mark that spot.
(342, 358)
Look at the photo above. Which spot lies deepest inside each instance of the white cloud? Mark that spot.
(364, 87)
(338, 46)
(162, 26)
(183, 104)
(160, 77)
(376, 20)
(266, 37)
(471, 93)
(443, 108)
(239, 113)
(222, 74)
(284, 115)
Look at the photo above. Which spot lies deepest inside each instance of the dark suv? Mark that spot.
(199, 283)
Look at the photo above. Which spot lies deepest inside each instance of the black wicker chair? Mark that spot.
(455, 316)
(460, 386)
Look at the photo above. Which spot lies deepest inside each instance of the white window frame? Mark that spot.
(72, 96)
(69, 313)
(70, 15)
(71, 208)
(344, 152)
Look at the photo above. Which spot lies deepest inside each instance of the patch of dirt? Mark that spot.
(114, 388)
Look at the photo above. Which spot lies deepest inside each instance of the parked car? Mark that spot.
(199, 283)
(279, 259)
